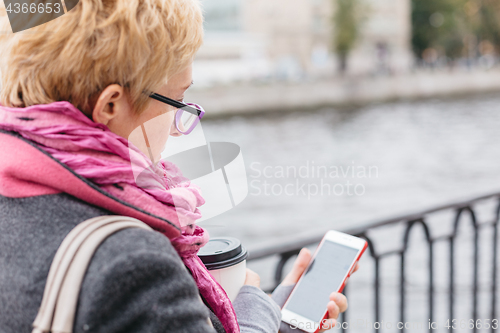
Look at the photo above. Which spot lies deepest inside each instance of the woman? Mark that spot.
(74, 92)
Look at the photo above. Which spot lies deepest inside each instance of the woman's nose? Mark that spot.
(173, 130)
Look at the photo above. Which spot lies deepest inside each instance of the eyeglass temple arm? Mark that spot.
(174, 103)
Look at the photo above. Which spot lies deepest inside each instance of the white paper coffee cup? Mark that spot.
(225, 258)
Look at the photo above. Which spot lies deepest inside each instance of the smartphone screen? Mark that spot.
(324, 276)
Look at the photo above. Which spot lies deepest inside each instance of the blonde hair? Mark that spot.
(137, 44)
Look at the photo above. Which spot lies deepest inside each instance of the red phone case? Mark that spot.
(343, 282)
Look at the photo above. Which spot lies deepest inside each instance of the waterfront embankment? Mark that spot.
(247, 98)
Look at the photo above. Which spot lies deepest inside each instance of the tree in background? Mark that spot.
(346, 29)
(488, 28)
(454, 28)
(438, 25)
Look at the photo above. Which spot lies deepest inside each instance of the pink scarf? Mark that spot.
(119, 168)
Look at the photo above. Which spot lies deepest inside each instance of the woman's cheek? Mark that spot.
(151, 136)
(163, 130)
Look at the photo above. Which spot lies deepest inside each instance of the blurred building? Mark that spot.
(259, 40)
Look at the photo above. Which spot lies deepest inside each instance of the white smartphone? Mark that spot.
(331, 265)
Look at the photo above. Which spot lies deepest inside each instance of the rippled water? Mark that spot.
(420, 154)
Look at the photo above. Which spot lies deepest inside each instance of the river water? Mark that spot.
(339, 168)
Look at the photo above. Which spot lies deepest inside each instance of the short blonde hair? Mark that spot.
(137, 44)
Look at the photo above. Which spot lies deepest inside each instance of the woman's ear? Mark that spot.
(111, 104)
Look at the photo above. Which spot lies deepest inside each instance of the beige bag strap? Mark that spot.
(57, 311)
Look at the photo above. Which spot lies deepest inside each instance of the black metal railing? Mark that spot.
(289, 249)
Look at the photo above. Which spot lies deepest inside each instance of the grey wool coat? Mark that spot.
(136, 281)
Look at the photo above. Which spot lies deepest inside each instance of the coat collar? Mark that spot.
(26, 171)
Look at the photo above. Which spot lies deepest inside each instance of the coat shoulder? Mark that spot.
(135, 282)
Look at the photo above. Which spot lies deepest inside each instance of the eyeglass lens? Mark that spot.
(187, 119)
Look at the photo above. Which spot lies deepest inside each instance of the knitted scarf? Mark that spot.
(119, 168)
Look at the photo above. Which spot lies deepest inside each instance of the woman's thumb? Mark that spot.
(299, 266)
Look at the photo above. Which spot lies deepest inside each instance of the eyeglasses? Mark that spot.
(187, 116)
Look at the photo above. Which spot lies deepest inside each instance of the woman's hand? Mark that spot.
(252, 279)
(337, 303)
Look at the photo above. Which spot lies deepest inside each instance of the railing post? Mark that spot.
(431, 281)
(452, 278)
(476, 267)
(377, 290)
(475, 264)
(494, 264)
(344, 315)
(402, 290)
